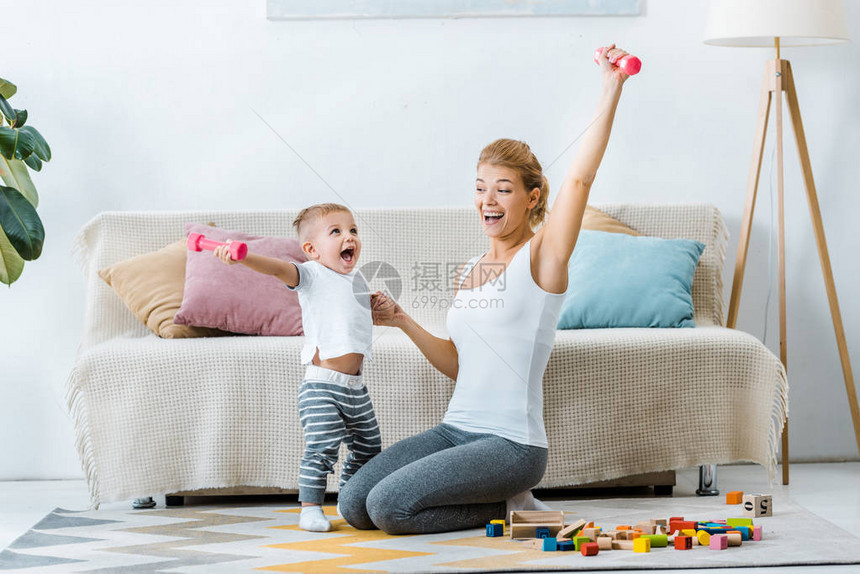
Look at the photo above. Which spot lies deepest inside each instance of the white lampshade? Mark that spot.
(757, 23)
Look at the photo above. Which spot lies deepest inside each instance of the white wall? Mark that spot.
(151, 105)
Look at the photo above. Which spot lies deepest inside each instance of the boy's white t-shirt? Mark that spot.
(336, 315)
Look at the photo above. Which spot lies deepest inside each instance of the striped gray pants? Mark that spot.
(334, 408)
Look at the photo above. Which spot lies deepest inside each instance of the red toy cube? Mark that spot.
(683, 543)
(590, 549)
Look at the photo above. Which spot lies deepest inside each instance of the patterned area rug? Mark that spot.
(265, 537)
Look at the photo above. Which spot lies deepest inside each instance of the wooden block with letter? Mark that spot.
(756, 505)
(524, 523)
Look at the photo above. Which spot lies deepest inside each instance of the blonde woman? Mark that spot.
(491, 446)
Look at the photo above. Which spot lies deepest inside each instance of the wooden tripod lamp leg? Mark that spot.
(821, 243)
(780, 185)
(752, 187)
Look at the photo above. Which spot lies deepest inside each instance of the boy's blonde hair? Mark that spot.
(312, 213)
(518, 156)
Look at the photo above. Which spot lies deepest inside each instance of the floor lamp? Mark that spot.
(775, 23)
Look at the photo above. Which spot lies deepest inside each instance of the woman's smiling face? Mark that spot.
(501, 200)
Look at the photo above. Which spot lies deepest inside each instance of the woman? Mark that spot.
(491, 446)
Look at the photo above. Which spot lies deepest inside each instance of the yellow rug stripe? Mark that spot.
(339, 541)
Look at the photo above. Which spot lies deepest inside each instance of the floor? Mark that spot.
(831, 490)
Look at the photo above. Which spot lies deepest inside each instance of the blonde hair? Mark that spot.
(518, 156)
(312, 213)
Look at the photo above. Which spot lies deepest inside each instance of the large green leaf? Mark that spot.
(21, 223)
(34, 162)
(7, 110)
(11, 264)
(41, 147)
(16, 143)
(23, 182)
(7, 88)
(6, 173)
(20, 118)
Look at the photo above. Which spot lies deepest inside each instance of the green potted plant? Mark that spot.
(21, 231)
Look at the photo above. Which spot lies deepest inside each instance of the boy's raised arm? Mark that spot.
(285, 271)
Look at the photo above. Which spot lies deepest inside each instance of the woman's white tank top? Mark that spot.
(504, 332)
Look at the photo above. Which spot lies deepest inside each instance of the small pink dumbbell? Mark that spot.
(630, 65)
(198, 242)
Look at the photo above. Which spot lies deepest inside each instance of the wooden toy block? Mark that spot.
(604, 542)
(502, 522)
(734, 497)
(541, 532)
(570, 530)
(591, 533)
(756, 535)
(683, 543)
(622, 545)
(550, 544)
(682, 525)
(494, 530)
(689, 532)
(659, 522)
(634, 534)
(624, 527)
(657, 540)
(589, 525)
(524, 523)
(579, 541)
(676, 519)
(704, 537)
(565, 545)
(739, 522)
(646, 527)
(590, 549)
(719, 542)
(756, 505)
(613, 534)
(642, 545)
(746, 532)
(734, 537)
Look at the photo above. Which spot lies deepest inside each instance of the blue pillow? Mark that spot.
(619, 280)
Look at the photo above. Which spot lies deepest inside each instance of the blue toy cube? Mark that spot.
(494, 530)
(550, 544)
(541, 532)
(565, 545)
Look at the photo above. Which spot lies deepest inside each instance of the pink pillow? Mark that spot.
(233, 297)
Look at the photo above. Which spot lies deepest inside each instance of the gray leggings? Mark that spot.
(440, 480)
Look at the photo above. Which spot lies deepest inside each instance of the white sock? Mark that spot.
(313, 519)
(524, 501)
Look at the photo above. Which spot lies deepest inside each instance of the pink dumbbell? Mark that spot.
(630, 65)
(198, 242)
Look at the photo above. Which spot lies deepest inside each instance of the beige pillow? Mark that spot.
(151, 286)
(596, 220)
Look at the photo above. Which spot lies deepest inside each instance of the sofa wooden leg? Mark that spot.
(708, 480)
(174, 500)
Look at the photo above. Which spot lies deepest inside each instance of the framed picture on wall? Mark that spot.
(367, 9)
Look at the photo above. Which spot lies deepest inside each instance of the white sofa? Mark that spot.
(156, 416)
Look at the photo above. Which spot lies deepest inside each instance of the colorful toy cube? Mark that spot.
(683, 543)
(756, 505)
(719, 542)
(550, 544)
(494, 530)
(541, 532)
(734, 497)
(590, 549)
(642, 544)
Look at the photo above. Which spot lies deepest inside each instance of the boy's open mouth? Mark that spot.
(348, 254)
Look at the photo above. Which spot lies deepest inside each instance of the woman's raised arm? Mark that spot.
(565, 218)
